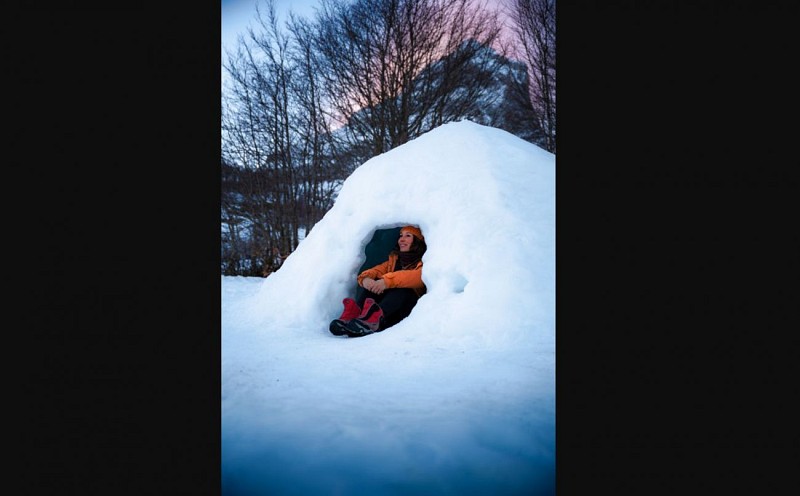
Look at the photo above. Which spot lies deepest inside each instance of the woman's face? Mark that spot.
(406, 238)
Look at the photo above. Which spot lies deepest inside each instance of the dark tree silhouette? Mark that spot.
(535, 31)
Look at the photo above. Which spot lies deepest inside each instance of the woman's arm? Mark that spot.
(374, 272)
(404, 279)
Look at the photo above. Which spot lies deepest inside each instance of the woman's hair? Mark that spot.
(418, 246)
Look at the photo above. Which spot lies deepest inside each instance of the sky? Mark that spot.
(238, 14)
(458, 398)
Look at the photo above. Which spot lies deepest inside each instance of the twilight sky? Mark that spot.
(237, 14)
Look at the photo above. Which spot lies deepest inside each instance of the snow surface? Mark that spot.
(458, 398)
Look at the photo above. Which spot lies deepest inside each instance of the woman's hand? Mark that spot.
(378, 286)
(373, 286)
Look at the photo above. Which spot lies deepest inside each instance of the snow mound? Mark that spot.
(485, 201)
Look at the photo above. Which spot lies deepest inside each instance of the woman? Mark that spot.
(388, 291)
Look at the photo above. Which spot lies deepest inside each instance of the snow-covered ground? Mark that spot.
(459, 398)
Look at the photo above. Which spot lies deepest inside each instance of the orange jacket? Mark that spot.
(411, 278)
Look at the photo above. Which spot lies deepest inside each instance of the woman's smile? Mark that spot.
(406, 238)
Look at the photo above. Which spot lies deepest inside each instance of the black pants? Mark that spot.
(396, 303)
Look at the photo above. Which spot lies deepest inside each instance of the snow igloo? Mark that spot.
(485, 202)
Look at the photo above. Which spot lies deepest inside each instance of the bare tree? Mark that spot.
(318, 152)
(256, 134)
(273, 129)
(391, 67)
(242, 242)
(535, 30)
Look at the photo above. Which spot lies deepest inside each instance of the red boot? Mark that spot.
(370, 320)
(351, 309)
(364, 311)
(350, 312)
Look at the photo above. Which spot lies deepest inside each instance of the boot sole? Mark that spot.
(356, 329)
(338, 328)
